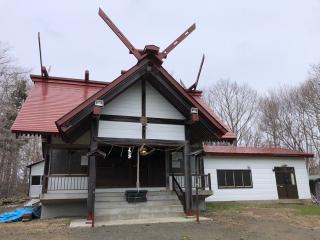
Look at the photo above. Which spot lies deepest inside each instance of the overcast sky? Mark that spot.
(263, 43)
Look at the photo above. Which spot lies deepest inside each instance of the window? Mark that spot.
(67, 161)
(35, 180)
(234, 178)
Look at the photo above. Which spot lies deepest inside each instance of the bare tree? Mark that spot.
(237, 106)
(15, 153)
(290, 117)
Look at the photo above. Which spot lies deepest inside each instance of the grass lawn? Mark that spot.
(303, 209)
(308, 209)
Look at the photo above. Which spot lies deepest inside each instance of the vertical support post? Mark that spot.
(167, 165)
(138, 170)
(46, 155)
(143, 108)
(187, 179)
(317, 190)
(92, 173)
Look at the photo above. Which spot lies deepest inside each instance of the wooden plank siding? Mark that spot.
(121, 117)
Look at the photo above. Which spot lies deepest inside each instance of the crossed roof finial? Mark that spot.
(140, 53)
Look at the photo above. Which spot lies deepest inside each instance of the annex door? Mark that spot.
(286, 182)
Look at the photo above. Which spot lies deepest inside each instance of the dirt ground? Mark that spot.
(227, 222)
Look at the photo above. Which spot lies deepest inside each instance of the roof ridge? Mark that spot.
(38, 78)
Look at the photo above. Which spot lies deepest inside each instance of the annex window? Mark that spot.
(234, 178)
(35, 180)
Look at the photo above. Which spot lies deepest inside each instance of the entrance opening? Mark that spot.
(117, 170)
(286, 183)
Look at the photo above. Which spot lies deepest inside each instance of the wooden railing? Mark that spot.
(178, 190)
(204, 181)
(64, 182)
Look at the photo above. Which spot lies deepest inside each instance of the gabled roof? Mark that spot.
(142, 67)
(54, 101)
(35, 163)
(49, 99)
(253, 151)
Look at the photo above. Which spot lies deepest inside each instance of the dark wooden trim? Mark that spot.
(132, 141)
(166, 121)
(143, 105)
(119, 118)
(70, 146)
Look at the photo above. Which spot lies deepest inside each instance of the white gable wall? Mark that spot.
(263, 177)
(129, 103)
(159, 107)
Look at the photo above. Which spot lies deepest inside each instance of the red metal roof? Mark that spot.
(253, 151)
(49, 100)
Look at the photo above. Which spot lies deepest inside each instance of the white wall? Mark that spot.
(263, 178)
(113, 129)
(159, 107)
(165, 132)
(127, 103)
(36, 170)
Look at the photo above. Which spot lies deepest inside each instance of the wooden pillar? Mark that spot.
(317, 189)
(187, 179)
(167, 165)
(46, 141)
(92, 173)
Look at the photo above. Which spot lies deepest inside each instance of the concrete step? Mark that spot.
(128, 216)
(117, 190)
(99, 198)
(113, 205)
(125, 204)
(150, 193)
(117, 197)
(138, 210)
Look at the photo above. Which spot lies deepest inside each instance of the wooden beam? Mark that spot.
(138, 142)
(119, 118)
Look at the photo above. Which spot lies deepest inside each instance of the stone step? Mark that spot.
(125, 204)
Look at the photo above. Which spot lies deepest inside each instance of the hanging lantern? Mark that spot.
(194, 114)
